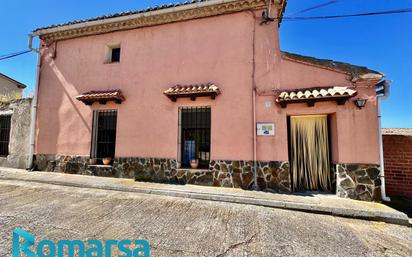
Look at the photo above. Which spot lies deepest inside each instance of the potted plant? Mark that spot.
(107, 160)
(194, 163)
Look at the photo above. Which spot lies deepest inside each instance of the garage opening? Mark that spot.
(309, 151)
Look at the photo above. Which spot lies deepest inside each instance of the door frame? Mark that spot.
(288, 128)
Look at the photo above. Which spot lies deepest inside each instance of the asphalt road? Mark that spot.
(186, 227)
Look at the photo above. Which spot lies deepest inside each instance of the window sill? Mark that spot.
(101, 166)
(193, 170)
(110, 62)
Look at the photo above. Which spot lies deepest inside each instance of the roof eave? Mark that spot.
(18, 84)
(231, 6)
(369, 76)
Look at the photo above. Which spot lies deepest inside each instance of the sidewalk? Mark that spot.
(317, 203)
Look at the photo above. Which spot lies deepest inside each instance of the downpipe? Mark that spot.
(256, 187)
(29, 164)
(254, 138)
(386, 93)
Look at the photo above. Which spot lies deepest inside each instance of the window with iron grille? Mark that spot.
(195, 135)
(5, 122)
(104, 134)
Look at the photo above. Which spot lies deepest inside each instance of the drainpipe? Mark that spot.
(255, 184)
(386, 92)
(29, 164)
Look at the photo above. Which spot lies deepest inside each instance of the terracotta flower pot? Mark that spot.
(106, 161)
(194, 164)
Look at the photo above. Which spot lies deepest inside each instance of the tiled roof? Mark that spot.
(357, 72)
(119, 14)
(397, 131)
(149, 9)
(311, 95)
(192, 91)
(101, 96)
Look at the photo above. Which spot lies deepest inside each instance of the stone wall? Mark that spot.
(358, 181)
(271, 176)
(77, 165)
(19, 144)
(355, 181)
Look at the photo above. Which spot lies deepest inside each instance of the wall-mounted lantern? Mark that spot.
(360, 103)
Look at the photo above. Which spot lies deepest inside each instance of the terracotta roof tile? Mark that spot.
(397, 131)
(315, 95)
(101, 96)
(192, 91)
(146, 10)
(125, 13)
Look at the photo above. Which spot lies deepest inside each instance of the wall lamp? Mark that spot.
(360, 103)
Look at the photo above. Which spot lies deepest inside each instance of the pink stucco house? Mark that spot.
(200, 93)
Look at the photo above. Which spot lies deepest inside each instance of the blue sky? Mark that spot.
(382, 43)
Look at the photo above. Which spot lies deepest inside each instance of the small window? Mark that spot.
(5, 122)
(112, 54)
(115, 54)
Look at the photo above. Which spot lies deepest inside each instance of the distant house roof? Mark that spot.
(18, 84)
(155, 15)
(397, 131)
(312, 95)
(192, 91)
(357, 72)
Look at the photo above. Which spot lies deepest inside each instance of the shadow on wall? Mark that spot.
(69, 90)
(57, 111)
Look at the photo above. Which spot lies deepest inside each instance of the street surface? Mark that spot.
(187, 227)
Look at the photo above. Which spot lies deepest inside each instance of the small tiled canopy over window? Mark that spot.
(313, 95)
(192, 91)
(5, 124)
(101, 97)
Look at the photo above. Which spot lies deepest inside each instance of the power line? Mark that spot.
(7, 56)
(315, 7)
(296, 18)
(406, 10)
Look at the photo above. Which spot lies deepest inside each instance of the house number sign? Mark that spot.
(265, 129)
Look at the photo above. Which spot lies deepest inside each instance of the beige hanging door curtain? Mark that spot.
(309, 153)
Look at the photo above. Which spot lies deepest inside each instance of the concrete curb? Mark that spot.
(393, 217)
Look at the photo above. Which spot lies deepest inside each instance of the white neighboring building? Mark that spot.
(14, 124)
